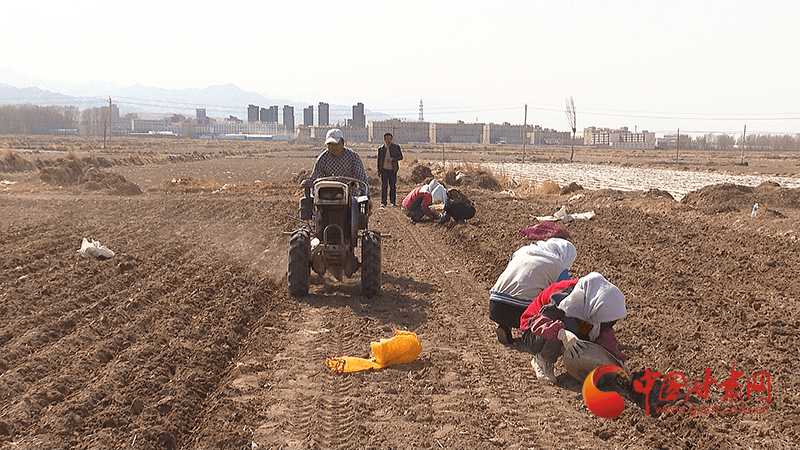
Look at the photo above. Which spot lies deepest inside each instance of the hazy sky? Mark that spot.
(700, 66)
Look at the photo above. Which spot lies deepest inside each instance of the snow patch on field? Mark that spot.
(677, 182)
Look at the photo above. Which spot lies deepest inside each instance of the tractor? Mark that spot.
(335, 213)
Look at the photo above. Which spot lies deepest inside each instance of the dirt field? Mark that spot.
(188, 338)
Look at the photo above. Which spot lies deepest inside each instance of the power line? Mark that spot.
(444, 110)
(132, 101)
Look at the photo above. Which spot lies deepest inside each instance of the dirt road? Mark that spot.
(187, 337)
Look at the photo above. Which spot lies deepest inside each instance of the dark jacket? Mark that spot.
(395, 153)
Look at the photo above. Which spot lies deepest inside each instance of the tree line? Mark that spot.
(763, 142)
(33, 119)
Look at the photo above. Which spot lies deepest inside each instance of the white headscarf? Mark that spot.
(438, 192)
(534, 267)
(594, 300)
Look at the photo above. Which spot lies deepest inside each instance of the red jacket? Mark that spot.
(426, 199)
(541, 300)
(547, 328)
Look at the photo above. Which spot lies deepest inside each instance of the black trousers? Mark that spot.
(415, 209)
(388, 183)
(459, 212)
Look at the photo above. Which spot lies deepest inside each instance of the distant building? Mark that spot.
(359, 119)
(270, 115)
(288, 118)
(403, 131)
(318, 131)
(124, 125)
(324, 114)
(147, 125)
(308, 116)
(355, 134)
(504, 133)
(203, 130)
(547, 136)
(246, 128)
(202, 118)
(621, 138)
(467, 133)
(672, 141)
(255, 128)
(252, 113)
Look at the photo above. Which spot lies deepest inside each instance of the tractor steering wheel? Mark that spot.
(350, 181)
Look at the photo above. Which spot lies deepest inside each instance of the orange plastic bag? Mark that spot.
(402, 348)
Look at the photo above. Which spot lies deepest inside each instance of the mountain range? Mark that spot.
(219, 101)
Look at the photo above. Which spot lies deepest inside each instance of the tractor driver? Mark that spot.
(338, 160)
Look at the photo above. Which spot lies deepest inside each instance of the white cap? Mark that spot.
(334, 136)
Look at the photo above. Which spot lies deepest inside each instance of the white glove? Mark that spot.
(573, 346)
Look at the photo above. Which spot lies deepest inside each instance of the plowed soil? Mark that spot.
(188, 338)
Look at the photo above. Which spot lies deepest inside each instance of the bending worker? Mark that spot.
(530, 270)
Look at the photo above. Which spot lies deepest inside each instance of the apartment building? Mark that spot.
(505, 133)
(269, 114)
(359, 118)
(239, 127)
(460, 132)
(403, 131)
(308, 116)
(147, 125)
(288, 118)
(621, 138)
(252, 113)
(547, 136)
(323, 112)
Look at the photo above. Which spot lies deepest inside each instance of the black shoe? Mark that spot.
(444, 219)
(504, 335)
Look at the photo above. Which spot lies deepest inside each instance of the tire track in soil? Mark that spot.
(307, 406)
(505, 372)
(464, 380)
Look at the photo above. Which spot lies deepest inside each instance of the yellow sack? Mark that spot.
(401, 348)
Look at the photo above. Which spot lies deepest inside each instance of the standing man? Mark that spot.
(388, 155)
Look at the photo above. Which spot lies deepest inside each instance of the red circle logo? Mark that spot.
(607, 405)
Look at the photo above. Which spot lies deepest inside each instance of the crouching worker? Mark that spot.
(458, 207)
(566, 313)
(530, 270)
(417, 203)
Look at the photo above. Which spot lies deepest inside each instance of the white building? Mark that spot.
(621, 138)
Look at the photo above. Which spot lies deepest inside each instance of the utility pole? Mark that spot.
(677, 145)
(744, 133)
(524, 132)
(109, 124)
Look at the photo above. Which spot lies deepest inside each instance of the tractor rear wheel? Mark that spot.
(299, 268)
(371, 264)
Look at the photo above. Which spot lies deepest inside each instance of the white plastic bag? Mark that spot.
(562, 214)
(94, 249)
